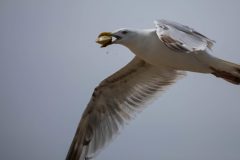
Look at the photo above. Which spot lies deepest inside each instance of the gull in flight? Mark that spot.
(162, 55)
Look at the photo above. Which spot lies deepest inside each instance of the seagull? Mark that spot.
(162, 55)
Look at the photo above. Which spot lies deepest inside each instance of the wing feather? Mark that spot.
(181, 38)
(116, 101)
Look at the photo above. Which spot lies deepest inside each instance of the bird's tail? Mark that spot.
(227, 70)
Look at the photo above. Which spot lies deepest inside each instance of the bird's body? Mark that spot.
(162, 55)
(158, 54)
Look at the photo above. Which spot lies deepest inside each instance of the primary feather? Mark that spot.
(114, 102)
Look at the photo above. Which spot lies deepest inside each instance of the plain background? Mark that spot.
(50, 64)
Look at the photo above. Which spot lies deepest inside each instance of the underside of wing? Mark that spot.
(181, 38)
(114, 102)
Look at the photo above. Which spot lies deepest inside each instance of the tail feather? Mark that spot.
(227, 70)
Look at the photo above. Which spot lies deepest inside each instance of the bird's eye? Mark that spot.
(124, 32)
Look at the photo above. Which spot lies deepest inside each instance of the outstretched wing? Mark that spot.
(115, 101)
(181, 38)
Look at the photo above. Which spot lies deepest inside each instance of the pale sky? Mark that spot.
(50, 64)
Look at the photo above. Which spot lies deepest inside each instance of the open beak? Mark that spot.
(106, 38)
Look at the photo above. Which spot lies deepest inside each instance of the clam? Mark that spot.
(104, 39)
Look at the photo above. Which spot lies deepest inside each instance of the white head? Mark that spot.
(124, 36)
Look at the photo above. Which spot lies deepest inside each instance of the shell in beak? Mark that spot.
(104, 38)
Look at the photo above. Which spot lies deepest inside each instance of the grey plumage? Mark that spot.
(181, 38)
(116, 101)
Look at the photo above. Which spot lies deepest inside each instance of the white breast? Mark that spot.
(152, 50)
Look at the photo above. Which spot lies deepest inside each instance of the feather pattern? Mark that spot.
(181, 38)
(114, 102)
